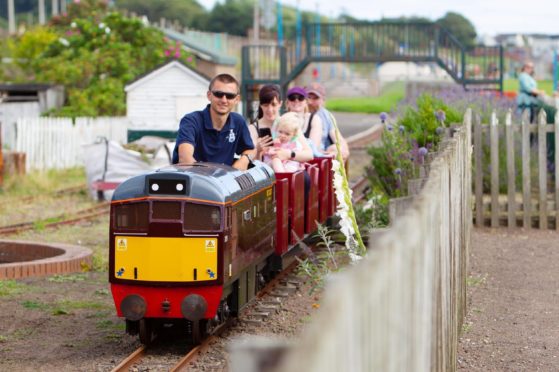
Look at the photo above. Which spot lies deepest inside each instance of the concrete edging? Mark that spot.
(51, 259)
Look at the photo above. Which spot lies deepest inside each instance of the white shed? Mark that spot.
(158, 99)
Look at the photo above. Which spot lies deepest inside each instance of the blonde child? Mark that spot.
(285, 137)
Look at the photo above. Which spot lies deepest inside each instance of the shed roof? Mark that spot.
(157, 71)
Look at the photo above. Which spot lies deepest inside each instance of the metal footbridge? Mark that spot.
(475, 68)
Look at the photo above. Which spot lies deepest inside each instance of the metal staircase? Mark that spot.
(478, 68)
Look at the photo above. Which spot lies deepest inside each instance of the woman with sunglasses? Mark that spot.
(311, 125)
(262, 128)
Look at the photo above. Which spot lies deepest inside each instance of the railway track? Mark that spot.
(256, 312)
(64, 219)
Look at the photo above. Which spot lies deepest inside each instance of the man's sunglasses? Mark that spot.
(296, 97)
(220, 94)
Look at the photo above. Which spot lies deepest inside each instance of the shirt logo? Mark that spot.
(231, 136)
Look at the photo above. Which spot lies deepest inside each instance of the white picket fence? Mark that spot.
(401, 308)
(58, 143)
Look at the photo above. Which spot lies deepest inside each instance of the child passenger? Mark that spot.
(285, 137)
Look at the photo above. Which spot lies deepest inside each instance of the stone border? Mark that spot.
(365, 138)
(72, 259)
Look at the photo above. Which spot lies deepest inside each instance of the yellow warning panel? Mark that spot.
(165, 259)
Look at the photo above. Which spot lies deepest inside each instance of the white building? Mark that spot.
(157, 100)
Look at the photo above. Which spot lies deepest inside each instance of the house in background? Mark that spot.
(157, 100)
(25, 100)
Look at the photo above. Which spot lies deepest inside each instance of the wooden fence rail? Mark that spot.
(57, 142)
(401, 307)
(518, 185)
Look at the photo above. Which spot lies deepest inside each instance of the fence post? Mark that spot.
(494, 137)
(542, 168)
(478, 155)
(511, 172)
(556, 169)
(526, 181)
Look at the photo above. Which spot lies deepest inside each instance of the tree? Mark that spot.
(233, 17)
(188, 13)
(460, 27)
(93, 53)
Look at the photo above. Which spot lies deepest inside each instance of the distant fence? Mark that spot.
(516, 182)
(57, 142)
(401, 308)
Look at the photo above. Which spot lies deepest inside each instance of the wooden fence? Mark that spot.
(515, 181)
(401, 307)
(57, 142)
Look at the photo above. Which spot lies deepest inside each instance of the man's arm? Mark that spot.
(186, 153)
(243, 162)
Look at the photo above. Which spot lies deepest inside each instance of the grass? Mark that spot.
(68, 278)
(11, 287)
(473, 281)
(35, 183)
(389, 98)
(512, 85)
(34, 305)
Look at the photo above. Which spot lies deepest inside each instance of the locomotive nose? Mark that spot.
(133, 307)
(193, 307)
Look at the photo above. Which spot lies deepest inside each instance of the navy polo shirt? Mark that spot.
(209, 144)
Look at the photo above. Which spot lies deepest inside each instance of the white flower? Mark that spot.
(64, 42)
(73, 25)
(101, 25)
(107, 30)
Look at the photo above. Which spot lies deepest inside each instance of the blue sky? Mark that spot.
(488, 16)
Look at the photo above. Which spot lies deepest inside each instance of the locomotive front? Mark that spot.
(165, 232)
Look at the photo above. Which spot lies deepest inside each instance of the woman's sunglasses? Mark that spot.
(296, 97)
(220, 94)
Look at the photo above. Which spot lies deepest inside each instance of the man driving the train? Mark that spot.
(216, 134)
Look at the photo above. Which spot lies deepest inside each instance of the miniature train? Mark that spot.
(190, 245)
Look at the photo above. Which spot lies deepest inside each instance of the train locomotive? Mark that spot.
(190, 245)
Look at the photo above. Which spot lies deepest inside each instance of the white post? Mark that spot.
(256, 22)
(42, 17)
(11, 17)
(63, 6)
(55, 11)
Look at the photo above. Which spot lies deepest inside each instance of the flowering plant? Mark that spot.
(348, 223)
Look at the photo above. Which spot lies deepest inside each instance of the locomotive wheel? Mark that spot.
(146, 331)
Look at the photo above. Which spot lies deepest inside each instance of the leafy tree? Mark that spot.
(93, 53)
(187, 12)
(460, 27)
(233, 17)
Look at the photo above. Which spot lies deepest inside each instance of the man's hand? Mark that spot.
(241, 163)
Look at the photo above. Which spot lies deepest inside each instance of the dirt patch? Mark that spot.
(512, 321)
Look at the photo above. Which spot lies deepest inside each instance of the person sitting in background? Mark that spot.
(316, 100)
(528, 91)
(311, 125)
(268, 116)
(285, 137)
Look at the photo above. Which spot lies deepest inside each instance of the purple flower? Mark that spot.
(383, 116)
(389, 127)
(440, 115)
(422, 151)
(402, 129)
(439, 130)
(397, 171)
